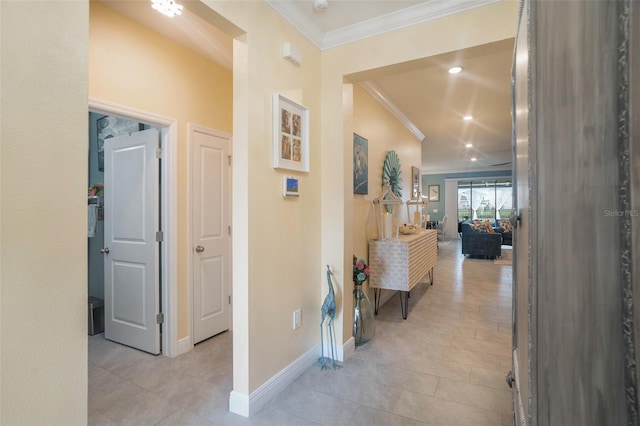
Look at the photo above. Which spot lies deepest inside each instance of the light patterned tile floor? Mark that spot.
(444, 365)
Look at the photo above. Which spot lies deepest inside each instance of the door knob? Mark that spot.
(199, 249)
(104, 250)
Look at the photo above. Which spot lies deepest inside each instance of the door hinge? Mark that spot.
(159, 236)
(510, 379)
(160, 318)
(229, 229)
(229, 299)
(230, 158)
(159, 152)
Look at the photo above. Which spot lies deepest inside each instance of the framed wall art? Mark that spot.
(360, 165)
(434, 193)
(392, 173)
(290, 135)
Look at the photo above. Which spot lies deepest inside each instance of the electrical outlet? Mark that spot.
(297, 318)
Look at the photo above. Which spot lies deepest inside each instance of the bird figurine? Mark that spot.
(328, 309)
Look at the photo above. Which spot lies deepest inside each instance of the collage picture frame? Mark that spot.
(290, 134)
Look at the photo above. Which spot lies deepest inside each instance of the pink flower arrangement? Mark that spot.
(96, 189)
(360, 270)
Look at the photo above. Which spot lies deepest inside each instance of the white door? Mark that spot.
(131, 294)
(211, 239)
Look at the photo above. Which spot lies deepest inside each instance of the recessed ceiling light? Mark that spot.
(468, 118)
(167, 7)
(469, 145)
(455, 70)
(474, 159)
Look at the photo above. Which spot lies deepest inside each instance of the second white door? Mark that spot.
(211, 240)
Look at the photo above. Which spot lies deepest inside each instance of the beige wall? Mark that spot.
(277, 264)
(43, 187)
(384, 133)
(135, 67)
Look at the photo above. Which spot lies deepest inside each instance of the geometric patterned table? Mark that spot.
(400, 264)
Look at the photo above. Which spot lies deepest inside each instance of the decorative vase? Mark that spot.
(364, 326)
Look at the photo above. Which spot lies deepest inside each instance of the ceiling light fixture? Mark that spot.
(455, 70)
(467, 118)
(474, 159)
(321, 5)
(469, 145)
(167, 7)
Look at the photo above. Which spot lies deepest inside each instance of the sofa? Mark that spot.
(505, 228)
(479, 240)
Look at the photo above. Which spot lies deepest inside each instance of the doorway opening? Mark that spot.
(165, 211)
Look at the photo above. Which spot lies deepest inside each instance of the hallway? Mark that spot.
(444, 365)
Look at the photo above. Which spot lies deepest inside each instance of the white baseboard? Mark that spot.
(247, 406)
(184, 345)
(239, 404)
(345, 351)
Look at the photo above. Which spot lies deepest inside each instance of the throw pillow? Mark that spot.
(489, 227)
(479, 227)
(505, 224)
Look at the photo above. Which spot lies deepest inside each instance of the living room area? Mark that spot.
(476, 208)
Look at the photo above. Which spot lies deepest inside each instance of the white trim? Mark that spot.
(191, 128)
(169, 188)
(184, 345)
(247, 406)
(423, 12)
(471, 170)
(239, 404)
(345, 351)
(451, 208)
(475, 179)
(189, 238)
(384, 100)
(301, 22)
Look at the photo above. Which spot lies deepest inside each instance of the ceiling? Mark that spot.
(422, 94)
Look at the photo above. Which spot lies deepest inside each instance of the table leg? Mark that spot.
(404, 303)
(377, 295)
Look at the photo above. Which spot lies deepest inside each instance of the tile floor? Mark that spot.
(444, 365)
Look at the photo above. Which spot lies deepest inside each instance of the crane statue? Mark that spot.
(328, 309)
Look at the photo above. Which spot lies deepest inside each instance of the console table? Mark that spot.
(400, 264)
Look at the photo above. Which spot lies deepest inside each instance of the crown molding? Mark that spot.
(381, 97)
(423, 12)
(301, 22)
(402, 18)
(427, 171)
